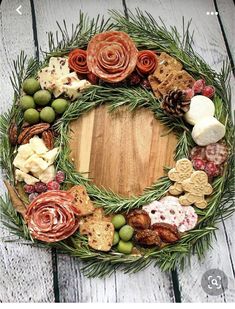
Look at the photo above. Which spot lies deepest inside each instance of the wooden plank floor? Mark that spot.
(34, 275)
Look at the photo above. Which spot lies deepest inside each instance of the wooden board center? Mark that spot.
(122, 151)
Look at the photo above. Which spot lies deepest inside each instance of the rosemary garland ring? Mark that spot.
(143, 67)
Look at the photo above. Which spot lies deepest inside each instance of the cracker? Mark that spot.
(180, 80)
(81, 200)
(166, 64)
(154, 83)
(100, 236)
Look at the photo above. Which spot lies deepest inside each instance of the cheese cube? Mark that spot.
(60, 65)
(25, 151)
(50, 156)
(48, 175)
(28, 179)
(19, 162)
(36, 165)
(47, 78)
(37, 145)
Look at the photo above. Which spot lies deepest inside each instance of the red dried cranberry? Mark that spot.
(208, 91)
(198, 86)
(32, 196)
(93, 79)
(134, 79)
(189, 93)
(212, 169)
(60, 176)
(199, 164)
(29, 189)
(53, 185)
(40, 187)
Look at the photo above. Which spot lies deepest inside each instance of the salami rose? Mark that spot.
(51, 216)
(78, 61)
(111, 56)
(146, 62)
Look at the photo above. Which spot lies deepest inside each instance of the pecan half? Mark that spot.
(48, 139)
(29, 132)
(148, 238)
(13, 134)
(139, 219)
(167, 232)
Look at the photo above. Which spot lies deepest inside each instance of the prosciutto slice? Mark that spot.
(52, 217)
(111, 56)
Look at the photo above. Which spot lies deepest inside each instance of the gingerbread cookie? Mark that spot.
(197, 187)
(182, 171)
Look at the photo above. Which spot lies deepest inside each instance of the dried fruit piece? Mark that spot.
(60, 176)
(29, 188)
(53, 185)
(139, 219)
(13, 134)
(199, 164)
(199, 85)
(148, 238)
(40, 187)
(167, 232)
(208, 91)
(48, 139)
(212, 169)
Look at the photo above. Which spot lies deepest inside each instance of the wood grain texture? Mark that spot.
(26, 271)
(123, 151)
(210, 45)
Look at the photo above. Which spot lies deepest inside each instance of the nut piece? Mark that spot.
(148, 238)
(139, 219)
(48, 139)
(167, 232)
(29, 132)
(13, 134)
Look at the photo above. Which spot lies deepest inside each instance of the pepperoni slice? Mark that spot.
(146, 62)
(51, 216)
(111, 56)
(217, 153)
(198, 152)
(78, 61)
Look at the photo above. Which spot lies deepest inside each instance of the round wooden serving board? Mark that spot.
(123, 151)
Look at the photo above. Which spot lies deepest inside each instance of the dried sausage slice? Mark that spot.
(217, 153)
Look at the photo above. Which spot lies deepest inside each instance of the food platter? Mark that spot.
(136, 65)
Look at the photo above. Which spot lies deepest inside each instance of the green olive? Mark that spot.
(59, 105)
(42, 97)
(115, 238)
(47, 114)
(31, 85)
(31, 116)
(125, 247)
(118, 221)
(126, 232)
(27, 102)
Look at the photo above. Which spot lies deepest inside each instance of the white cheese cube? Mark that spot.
(19, 162)
(28, 179)
(37, 145)
(83, 84)
(50, 156)
(200, 107)
(47, 78)
(60, 65)
(36, 165)
(25, 151)
(48, 175)
(207, 131)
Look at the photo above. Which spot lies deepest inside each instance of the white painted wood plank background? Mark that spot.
(71, 286)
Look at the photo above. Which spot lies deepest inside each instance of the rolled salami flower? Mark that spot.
(52, 217)
(146, 62)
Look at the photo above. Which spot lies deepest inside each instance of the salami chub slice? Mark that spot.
(51, 216)
(217, 153)
(111, 56)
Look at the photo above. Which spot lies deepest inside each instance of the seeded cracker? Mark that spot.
(100, 236)
(82, 201)
(166, 64)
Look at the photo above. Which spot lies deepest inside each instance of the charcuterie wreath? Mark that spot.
(135, 62)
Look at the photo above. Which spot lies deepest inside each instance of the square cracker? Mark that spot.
(177, 80)
(81, 200)
(100, 236)
(166, 64)
(154, 85)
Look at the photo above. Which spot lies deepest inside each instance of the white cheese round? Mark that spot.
(207, 131)
(200, 107)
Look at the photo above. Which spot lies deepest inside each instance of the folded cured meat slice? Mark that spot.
(111, 56)
(52, 217)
